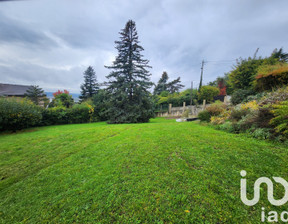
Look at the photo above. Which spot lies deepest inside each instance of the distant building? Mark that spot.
(13, 90)
(17, 91)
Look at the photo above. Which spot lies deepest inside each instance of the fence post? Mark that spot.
(204, 104)
(170, 108)
(225, 100)
(184, 106)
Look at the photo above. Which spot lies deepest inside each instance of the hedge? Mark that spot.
(16, 114)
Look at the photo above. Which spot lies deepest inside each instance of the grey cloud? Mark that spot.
(48, 78)
(176, 35)
(13, 31)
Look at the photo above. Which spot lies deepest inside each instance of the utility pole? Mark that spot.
(201, 77)
(191, 93)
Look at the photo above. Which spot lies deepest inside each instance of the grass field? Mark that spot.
(159, 172)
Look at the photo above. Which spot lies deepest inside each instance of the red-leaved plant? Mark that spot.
(60, 92)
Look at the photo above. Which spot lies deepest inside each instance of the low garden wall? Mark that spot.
(178, 111)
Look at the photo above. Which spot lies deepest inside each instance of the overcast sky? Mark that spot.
(50, 43)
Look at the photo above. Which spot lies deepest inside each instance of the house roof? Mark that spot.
(13, 90)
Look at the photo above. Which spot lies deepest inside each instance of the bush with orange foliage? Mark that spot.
(271, 76)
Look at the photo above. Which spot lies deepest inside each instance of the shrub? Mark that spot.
(252, 105)
(275, 96)
(62, 99)
(237, 114)
(186, 113)
(260, 133)
(264, 115)
(256, 97)
(54, 115)
(80, 113)
(240, 95)
(227, 126)
(216, 108)
(280, 120)
(217, 120)
(204, 116)
(247, 121)
(271, 76)
(251, 114)
(18, 114)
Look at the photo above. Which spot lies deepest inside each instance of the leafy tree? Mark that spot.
(164, 85)
(62, 99)
(174, 86)
(222, 86)
(245, 71)
(243, 74)
(221, 83)
(213, 83)
(35, 94)
(90, 86)
(280, 55)
(252, 74)
(176, 99)
(129, 98)
(164, 94)
(208, 93)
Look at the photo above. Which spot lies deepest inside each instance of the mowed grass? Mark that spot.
(158, 172)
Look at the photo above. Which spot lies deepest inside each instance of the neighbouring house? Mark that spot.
(17, 91)
(10, 90)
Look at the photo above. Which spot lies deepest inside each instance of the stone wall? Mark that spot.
(193, 110)
(178, 111)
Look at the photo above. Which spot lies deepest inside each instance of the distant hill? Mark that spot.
(74, 95)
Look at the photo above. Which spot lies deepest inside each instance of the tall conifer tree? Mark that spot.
(90, 86)
(129, 81)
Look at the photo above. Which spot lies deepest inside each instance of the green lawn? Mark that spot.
(158, 172)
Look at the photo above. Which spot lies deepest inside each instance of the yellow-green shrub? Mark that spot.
(217, 120)
(252, 105)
